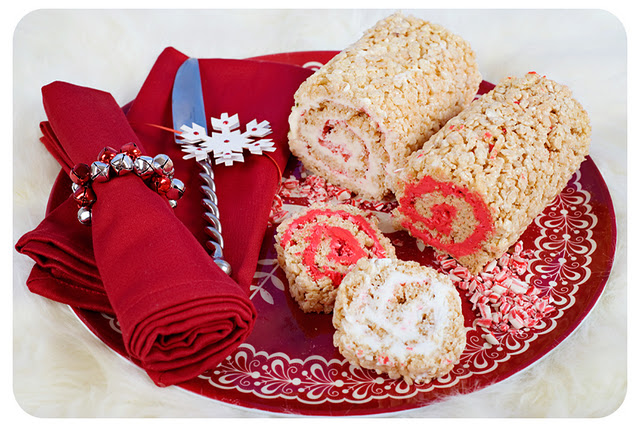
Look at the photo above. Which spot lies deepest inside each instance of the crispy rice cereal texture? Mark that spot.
(400, 318)
(357, 118)
(320, 244)
(479, 182)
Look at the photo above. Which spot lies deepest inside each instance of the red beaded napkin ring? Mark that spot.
(156, 172)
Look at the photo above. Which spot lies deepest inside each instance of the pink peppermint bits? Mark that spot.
(315, 189)
(383, 360)
(503, 301)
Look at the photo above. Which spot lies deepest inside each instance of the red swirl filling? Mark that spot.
(346, 250)
(326, 142)
(443, 217)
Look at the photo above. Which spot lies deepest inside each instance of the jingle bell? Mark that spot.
(80, 174)
(161, 184)
(84, 196)
(99, 171)
(176, 190)
(74, 187)
(106, 154)
(122, 164)
(131, 149)
(84, 215)
(143, 166)
(173, 203)
(163, 165)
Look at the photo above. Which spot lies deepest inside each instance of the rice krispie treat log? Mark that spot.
(358, 117)
(319, 245)
(400, 318)
(479, 182)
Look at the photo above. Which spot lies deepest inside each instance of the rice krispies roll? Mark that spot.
(319, 245)
(358, 117)
(479, 182)
(399, 318)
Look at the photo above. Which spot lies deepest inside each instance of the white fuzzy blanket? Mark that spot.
(61, 370)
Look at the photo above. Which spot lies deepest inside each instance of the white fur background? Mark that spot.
(61, 370)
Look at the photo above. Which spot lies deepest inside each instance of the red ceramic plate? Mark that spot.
(289, 365)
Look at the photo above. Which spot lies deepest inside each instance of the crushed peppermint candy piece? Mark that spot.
(502, 299)
(315, 189)
(491, 338)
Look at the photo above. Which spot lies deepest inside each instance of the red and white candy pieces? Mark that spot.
(503, 301)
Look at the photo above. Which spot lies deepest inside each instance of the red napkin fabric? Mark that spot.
(65, 269)
(253, 90)
(141, 260)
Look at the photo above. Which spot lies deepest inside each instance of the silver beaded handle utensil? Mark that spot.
(212, 216)
(188, 109)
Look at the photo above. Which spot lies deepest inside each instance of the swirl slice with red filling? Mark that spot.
(318, 246)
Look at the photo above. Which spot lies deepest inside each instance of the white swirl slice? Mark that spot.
(399, 318)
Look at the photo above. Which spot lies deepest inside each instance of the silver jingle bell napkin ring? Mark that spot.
(156, 172)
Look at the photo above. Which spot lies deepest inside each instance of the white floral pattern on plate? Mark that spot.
(561, 264)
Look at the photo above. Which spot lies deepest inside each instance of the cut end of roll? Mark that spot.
(341, 144)
(449, 218)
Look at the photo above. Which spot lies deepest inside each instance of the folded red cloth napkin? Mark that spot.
(179, 314)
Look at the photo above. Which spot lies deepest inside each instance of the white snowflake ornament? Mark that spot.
(226, 142)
